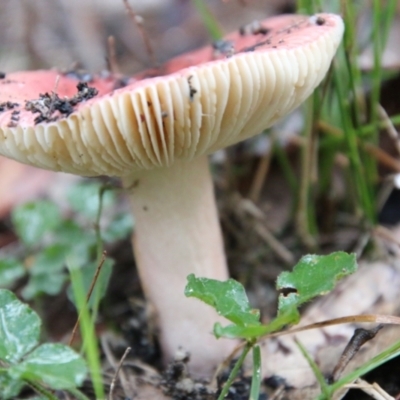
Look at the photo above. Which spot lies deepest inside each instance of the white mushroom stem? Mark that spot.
(177, 233)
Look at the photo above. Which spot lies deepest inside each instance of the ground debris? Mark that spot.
(51, 106)
(177, 383)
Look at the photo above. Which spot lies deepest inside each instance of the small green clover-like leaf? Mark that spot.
(313, 276)
(50, 260)
(19, 327)
(84, 198)
(49, 283)
(46, 273)
(120, 227)
(57, 365)
(70, 233)
(10, 270)
(228, 298)
(9, 387)
(32, 220)
(81, 246)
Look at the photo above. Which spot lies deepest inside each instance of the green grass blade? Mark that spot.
(90, 344)
(235, 371)
(325, 389)
(208, 19)
(390, 353)
(256, 378)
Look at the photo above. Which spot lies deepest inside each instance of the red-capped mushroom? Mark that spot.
(156, 134)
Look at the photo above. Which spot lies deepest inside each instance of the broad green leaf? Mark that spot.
(9, 387)
(32, 220)
(313, 276)
(10, 270)
(57, 365)
(19, 327)
(85, 199)
(228, 298)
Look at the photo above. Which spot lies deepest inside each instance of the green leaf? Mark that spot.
(81, 245)
(228, 298)
(84, 198)
(313, 276)
(19, 327)
(70, 233)
(32, 220)
(119, 228)
(47, 275)
(9, 387)
(49, 283)
(10, 270)
(51, 259)
(57, 365)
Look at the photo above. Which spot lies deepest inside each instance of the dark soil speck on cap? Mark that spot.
(224, 47)
(48, 104)
(8, 105)
(254, 28)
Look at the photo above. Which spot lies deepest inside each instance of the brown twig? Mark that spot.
(386, 234)
(390, 128)
(242, 2)
(89, 294)
(114, 379)
(359, 338)
(112, 61)
(380, 155)
(138, 21)
(260, 227)
(261, 174)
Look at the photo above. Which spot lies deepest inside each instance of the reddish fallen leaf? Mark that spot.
(20, 183)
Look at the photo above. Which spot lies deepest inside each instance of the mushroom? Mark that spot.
(155, 134)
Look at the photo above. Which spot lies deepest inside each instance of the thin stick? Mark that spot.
(89, 294)
(112, 56)
(138, 21)
(390, 128)
(264, 233)
(386, 234)
(276, 246)
(380, 155)
(261, 174)
(127, 384)
(114, 379)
